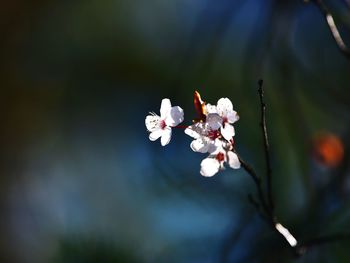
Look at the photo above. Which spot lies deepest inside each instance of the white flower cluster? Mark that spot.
(212, 132)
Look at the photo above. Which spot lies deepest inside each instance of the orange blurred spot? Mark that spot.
(328, 149)
(199, 105)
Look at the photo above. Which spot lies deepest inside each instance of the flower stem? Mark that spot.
(266, 145)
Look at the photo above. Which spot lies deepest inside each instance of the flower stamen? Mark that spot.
(220, 157)
(162, 124)
(213, 134)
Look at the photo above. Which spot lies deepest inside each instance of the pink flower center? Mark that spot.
(224, 120)
(162, 124)
(213, 134)
(220, 157)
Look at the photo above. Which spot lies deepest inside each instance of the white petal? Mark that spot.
(199, 145)
(212, 148)
(165, 108)
(224, 106)
(216, 147)
(227, 131)
(232, 116)
(209, 167)
(174, 116)
(214, 121)
(210, 108)
(166, 136)
(152, 122)
(190, 132)
(155, 134)
(233, 161)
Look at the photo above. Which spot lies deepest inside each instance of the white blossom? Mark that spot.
(229, 116)
(204, 137)
(212, 131)
(215, 161)
(160, 126)
(210, 108)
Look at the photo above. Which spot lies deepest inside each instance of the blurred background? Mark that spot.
(80, 180)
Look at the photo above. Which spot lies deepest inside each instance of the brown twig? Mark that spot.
(332, 27)
(266, 145)
(256, 204)
(257, 181)
(298, 248)
(267, 206)
(265, 209)
(269, 215)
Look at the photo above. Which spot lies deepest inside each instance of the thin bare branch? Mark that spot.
(257, 206)
(266, 145)
(265, 207)
(333, 28)
(270, 217)
(257, 182)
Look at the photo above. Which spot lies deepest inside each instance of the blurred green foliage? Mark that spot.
(91, 251)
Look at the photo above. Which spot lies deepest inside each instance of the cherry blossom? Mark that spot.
(204, 137)
(229, 116)
(212, 131)
(160, 126)
(216, 160)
